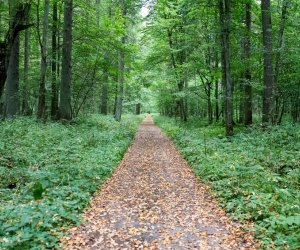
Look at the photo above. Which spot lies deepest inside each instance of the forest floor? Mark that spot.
(155, 201)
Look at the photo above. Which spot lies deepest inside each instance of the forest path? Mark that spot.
(154, 201)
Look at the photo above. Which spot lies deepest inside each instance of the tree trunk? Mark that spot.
(285, 5)
(12, 81)
(241, 112)
(105, 79)
(216, 88)
(54, 92)
(120, 88)
(12, 103)
(17, 24)
(65, 86)
(247, 73)
(268, 62)
(224, 7)
(209, 104)
(138, 109)
(25, 94)
(121, 71)
(44, 47)
(104, 93)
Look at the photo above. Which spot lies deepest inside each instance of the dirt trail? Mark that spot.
(154, 201)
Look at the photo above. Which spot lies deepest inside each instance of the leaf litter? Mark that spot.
(154, 201)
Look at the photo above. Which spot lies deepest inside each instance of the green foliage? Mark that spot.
(49, 171)
(255, 174)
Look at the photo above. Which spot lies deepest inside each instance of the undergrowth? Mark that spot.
(49, 171)
(255, 174)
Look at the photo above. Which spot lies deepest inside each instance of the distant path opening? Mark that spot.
(154, 201)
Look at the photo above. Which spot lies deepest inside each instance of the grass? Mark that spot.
(48, 173)
(255, 174)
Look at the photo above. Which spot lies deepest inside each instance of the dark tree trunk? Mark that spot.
(209, 104)
(247, 73)
(12, 103)
(224, 7)
(268, 62)
(65, 86)
(138, 109)
(18, 23)
(54, 91)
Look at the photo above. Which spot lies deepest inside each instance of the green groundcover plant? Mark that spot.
(49, 171)
(255, 174)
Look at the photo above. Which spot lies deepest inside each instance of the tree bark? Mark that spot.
(285, 5)
(224, 8)
(17, 24)
(104, 92)
(247, 73)
(120, 88)
(25, 94)
(12, 101)
(121, 71)
(268, 62)
(65, 111)
(138, 109)
(44, 47)
(54, 92)
(105, 79)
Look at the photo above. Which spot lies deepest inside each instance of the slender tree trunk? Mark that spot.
(121, 74)
(247, 73)
(225, 8)
(241, 113)
(105, 79)
(104, 92)
(25, 95)
(120, 88)
(54, 92)
(285, 5)
(209, 104)
(268, 62)
(216, 88)
(65, 111)
(44, 47)
(138, 109)
(217, 101)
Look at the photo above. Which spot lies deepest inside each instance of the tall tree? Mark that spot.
(285, 4)
(25, 94)
(121, 67)
(225, 19)
(268, 90)
(44, 47)
(54, 92)
(105, 78)
(247, 72)
(12, 101)
(65, 111)
(17, 24)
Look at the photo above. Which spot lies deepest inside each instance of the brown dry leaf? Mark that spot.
(154, 201)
